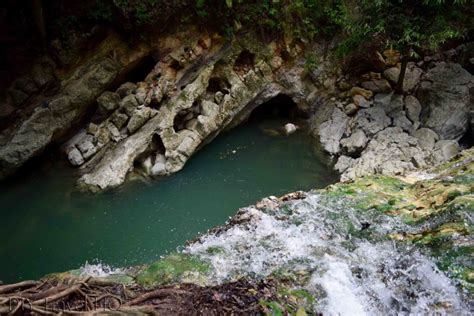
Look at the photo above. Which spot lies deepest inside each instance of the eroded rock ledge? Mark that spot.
(204, 85)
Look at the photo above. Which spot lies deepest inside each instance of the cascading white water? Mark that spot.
(352, 268)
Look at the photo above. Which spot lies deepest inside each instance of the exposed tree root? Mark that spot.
(92, 295)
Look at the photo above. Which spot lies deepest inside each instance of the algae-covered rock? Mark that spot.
(174, 268)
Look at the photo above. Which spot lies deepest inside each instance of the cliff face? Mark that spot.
(200, 85)
(195, 84)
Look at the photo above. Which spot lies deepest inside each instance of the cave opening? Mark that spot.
(136, 72)
(280, 106)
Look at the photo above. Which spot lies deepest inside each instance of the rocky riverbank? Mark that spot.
(373, 130)
(194, 85)
(374, 245)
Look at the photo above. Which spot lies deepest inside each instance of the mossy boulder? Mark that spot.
(175, 268)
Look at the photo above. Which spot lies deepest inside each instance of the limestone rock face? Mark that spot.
(331, 131)
(355, 143)
(412, 77)
(426, 138)
(390, 152)
(138, 118)
(446, 149)
(54, 116)
(187, 99)
(372, 120)
(446, 96)
(412, 108)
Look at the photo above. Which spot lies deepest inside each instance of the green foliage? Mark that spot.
(408, 26)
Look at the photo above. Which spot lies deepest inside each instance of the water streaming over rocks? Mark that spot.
(340, 254)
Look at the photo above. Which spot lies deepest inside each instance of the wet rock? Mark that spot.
(331, 131)
(412, 108)
(75, 157)
(126, 89)
(290, 128)
(377, 86)
(354, 144)
(446, 92)
(108, 101)
(372, 120)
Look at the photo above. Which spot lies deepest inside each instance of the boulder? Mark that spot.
(332, 130)
(86, 146)
(377, 86)
(140, 95)
(125, 89)
(446, 149)
(350, 109)
(445, 92)
(391, 103)
(354, 144)
(344, 163)
(426, 138)
(412, 108)
(159, 168)
(139, 117)
(290, 128)
(129, 104)
(75, 157)
(412, 77)
(108, 101)
(392, 57)
(360, 101)
(400, 120)
(358, 90)
(372, 120)
(391, 74)
(119, 119)
(390, 152)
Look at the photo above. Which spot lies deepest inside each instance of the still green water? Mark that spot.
(47, 226)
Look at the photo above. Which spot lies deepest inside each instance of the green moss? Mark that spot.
(215, 250)
(172, 268)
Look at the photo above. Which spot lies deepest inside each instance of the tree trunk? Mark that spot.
(401, 76)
